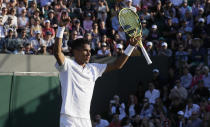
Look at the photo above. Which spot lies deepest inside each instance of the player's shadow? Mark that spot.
(46, 113)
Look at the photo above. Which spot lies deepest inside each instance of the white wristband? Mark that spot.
(60, 32)
(129, 50)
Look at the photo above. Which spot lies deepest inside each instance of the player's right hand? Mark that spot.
(65, 19)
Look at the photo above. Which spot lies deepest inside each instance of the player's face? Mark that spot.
(82, 55)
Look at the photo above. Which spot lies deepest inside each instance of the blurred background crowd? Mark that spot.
(177, 29)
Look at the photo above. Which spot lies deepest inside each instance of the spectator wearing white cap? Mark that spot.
(129, 5)
(119, 50)
(181, 120)
(150, 50)
(164, 51)
(154, 33)
(200, 14)
(104, 51)
(47, 27)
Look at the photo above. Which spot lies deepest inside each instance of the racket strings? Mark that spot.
(130, 23)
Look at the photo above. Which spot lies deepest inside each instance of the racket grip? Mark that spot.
(145, 55)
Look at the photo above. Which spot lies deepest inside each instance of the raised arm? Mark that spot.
(59, 37)
(120, 62)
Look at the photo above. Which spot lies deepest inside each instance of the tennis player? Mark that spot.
(78, 77)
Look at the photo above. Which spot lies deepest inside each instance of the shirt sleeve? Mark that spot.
(99, 69)
(64, 67)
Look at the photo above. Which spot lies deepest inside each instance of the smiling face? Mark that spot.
(82, 54)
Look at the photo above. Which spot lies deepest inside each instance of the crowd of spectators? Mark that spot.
(178, 29)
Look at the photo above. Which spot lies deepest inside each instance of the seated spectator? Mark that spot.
(195, 121)
(145, 31)
(115, 22)
(199, 27)
(23, 20)
(186, 78)
(182, 10)
(132, 107)
(181, 120)
(119, 50)
(43, 50)
(4, 15)
(177, 41)
(46, 28)
(181, 56)
(87, 22)
(2, 30)
(32, 8)
(147, 109)
(19, 50)
(102, 10)
(154, 33)
(198, 53)
(152, 94)
(104, 51)
(10, 41)
(115, 121)
(99, 122)
(102, 28)
(23, 38)
(150, 49)
(129, 5)
(48, 40)
(164, 51)
(35, 27)
(8, 25)
(117, 107)
(169, 8)
(196, 77)
(14, 17)
(157, 79)
(169, 31)
(206, 77)
(37, 41)
(178, 91)
(28, 50)
(190, 108)
(53, 19)
(78, 28)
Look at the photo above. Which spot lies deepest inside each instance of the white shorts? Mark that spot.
(69, 121)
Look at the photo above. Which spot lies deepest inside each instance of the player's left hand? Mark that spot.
(135, 40)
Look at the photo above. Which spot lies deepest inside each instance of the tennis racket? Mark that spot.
(131, 25)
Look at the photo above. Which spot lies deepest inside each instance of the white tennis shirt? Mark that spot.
(77, 84)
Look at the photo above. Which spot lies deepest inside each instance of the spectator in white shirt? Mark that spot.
(190, 107)
(129, 5)
(186, 78)
(152, 94)
(104, 51)
(99, 122)
(206, 76)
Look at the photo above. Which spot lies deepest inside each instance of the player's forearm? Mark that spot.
(58, 46)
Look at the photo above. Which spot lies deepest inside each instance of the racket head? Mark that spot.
(130, 22)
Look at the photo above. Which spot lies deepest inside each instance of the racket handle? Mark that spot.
(145, 54)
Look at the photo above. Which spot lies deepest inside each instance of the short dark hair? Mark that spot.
(78, 43)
